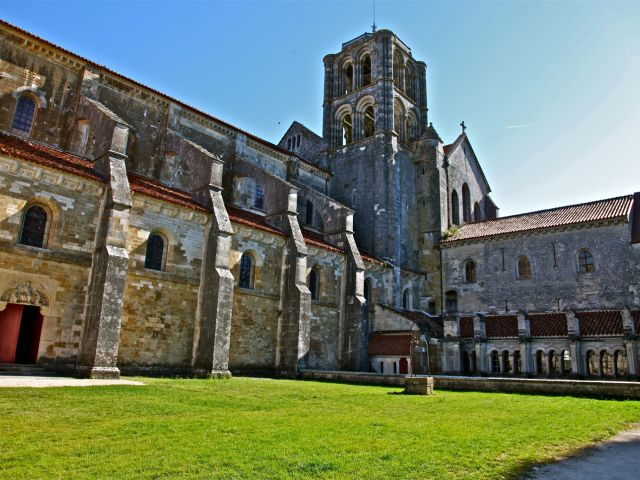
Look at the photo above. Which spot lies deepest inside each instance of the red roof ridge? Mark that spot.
(36, 152)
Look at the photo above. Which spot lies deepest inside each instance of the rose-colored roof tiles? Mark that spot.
(500, 326)
(548, 324)
(600, 322)
(609, 209)
(380, 344)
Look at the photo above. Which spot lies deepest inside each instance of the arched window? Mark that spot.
(517, 362)
(477, 214)
(524, 268)
(466, 203)
(566, 362)
(495, 362)
(409, 80)
(314, 283)
(23, 116)
(585, 261)
(348, 78)
(620, 363)
(540, 366)
(407, 300)
(246, 271)
(412, 126)
(455, 208)
(366, 70)
(369, 121)
(470, 272)
(553, 363)
(156, 252)
(451, 301)
(347, 130)
(592, 364)
(607, 364)
(505, 362)
(258, 197)
(34, 227)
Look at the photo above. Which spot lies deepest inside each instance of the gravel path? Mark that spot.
(616, 459)
(41, 382)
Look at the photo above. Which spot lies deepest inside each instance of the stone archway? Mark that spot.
(21, 320)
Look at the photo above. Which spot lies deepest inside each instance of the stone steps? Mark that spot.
(23, 370)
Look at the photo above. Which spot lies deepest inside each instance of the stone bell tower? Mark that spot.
(374, 117)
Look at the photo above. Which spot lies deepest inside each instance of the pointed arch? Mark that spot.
(466, 203)
(455, 208)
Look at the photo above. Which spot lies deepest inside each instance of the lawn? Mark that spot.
(260, 428)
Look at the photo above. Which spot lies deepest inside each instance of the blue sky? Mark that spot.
(550, 91)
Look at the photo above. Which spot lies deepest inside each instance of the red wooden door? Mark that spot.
(404, 365)
(9, 330)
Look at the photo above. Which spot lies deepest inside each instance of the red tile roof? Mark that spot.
(600, 322)
(548, 324)
(609, 209)
(165, 96)
(466, 327)
(498, 326)
(154, 189)
(317, 239)
(33, 152)
(381, 344)
(251, 219)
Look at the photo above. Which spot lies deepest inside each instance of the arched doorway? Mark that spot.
(466, 363)
(20, 328)
(404, 366)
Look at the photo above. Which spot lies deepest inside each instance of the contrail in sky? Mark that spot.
(520, 126)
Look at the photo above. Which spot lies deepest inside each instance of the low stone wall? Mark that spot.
(354, 377)
(590, 388)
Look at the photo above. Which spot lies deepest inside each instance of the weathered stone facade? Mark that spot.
(139, 234)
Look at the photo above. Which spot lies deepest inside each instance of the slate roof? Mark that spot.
(501, 326)
(600, 322)
(608, 209)
(466, 327)
(432, 134)
(548, 324)
(46, 156)
(381, 344)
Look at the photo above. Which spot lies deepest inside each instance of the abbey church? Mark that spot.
(141, 235)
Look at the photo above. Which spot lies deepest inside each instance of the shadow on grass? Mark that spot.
(616, 458)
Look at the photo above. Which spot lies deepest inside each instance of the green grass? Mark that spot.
(259, 428)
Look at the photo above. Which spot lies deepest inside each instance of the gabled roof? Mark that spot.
(462, 138)
(599, 210)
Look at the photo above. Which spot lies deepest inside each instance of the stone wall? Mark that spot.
(556, 282)
(61, 268)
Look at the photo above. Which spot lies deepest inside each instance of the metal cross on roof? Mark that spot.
(464, 127)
